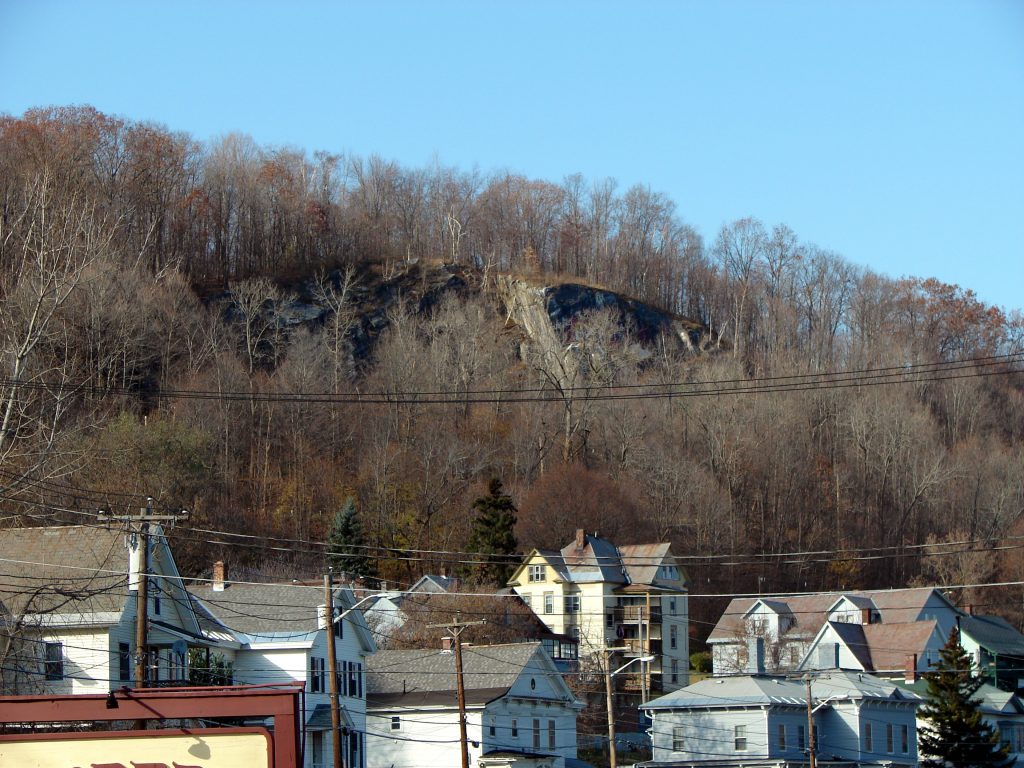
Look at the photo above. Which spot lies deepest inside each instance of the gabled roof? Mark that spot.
(993, 634)
(430, 583)
(858, 601)
(895, 606)
(276, 612)
(742, 691)
(641, 561)
(600, 561)
(890, 644)
(427, 677)
(63, 569)
(596, 561)
(877, 648)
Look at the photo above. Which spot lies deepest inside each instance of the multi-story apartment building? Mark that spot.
(632, 598)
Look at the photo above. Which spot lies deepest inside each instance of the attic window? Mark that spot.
(536, 573)
(396, 723)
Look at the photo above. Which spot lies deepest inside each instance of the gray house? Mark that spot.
(743, 720)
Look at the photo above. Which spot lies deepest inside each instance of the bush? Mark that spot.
(700, 661)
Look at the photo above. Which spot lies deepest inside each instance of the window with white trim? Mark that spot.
(317, 676)
(396, 723)
(678, 739)
(740, 738)
(535, 573)
(549, 602)
(53, 664)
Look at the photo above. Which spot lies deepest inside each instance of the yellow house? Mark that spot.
(632, 598)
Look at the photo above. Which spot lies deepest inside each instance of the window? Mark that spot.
(54, 664)
(492, 728)
(316, 675)
(678, 740)
(904, 739)
(801, 740)
(536, 733)
(515, 728)
(675, 670)
(396, 723)
(889, 743)
(672, 606)
(673, 632)
(338, 624)
(572, 603)
(535, 573)
(551, 734)
(868, 742)
(124, 661)
(794, 654)
(527, 601)
(609, 620)
(549, 602)
(740, 738)
(782, 735)
(316, 745)
(353, 679)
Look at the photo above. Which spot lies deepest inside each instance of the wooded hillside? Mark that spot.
(258, 334)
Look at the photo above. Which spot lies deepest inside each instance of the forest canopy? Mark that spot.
(145, 283)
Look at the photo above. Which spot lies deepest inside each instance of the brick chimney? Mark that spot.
(219, 574)
(910, 668)
(865, 615)
(447, 645)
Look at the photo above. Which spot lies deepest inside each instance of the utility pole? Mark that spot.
(332, 669)
(144, 518)
(142, 606)
(812, 746)
(455, 629)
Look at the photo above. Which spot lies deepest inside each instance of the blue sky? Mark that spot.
(889, 132)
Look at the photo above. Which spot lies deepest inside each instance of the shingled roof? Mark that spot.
(75, 570)
(425, 677)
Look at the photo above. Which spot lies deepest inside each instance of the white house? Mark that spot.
(281, 631)
(520, 712)
(742, 720)
(68, 599)
(791, 624)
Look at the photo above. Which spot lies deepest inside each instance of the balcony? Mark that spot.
(635, 647)
(634, 614)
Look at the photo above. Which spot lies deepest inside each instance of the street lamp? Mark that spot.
(612, 760)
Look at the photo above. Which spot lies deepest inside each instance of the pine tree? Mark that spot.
(493, 535)
(347, 545)
(957, 736)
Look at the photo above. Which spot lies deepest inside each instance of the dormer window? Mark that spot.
(535, 573)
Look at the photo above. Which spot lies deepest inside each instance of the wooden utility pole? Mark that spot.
(332, 669)
(455, 629)
(144, 518)
(810, 726)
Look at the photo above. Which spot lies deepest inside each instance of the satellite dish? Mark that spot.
(180, 647)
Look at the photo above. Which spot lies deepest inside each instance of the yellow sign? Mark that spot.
(206, 748)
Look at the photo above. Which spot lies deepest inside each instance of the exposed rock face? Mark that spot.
(545, 312)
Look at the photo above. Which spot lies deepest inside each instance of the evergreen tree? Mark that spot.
(956, 735)
(347, 544)
(493, 535)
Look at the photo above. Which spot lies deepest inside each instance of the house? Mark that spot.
(632, 598)
(68, 599)
(996, 649)
(519, 710)
(790, 625)
(1003, 710)
(403, 619)
(282, 634)
(750, 719)
(885, 650)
